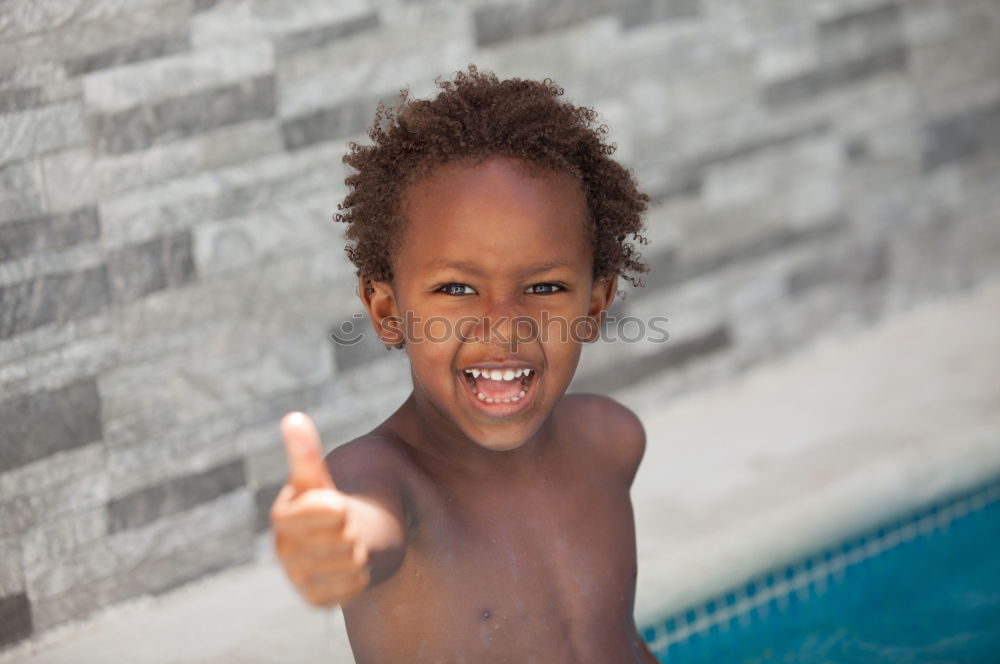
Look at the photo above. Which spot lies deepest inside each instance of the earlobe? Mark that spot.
(380, 302)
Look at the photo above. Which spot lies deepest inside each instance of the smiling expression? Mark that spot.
(498, 257)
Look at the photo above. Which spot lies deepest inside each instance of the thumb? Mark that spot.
(305, 454)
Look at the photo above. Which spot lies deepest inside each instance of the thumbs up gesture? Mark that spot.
(324, 560)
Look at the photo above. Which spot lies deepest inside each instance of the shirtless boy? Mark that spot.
(488, 518)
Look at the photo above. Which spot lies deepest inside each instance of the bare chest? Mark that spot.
(543, 578)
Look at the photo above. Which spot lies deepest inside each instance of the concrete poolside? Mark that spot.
(759, 470)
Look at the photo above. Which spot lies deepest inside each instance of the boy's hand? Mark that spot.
(312, 532)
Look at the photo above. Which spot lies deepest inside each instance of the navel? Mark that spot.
(486, 614)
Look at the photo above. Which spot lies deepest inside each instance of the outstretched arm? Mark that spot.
(333, 545)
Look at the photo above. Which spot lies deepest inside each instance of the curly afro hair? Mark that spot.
(476, 116)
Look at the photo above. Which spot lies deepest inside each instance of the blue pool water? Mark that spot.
(925, 588)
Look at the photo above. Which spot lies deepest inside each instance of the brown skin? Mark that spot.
(449, 534)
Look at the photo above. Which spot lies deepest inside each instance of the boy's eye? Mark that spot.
(544, 289)
(456, 289)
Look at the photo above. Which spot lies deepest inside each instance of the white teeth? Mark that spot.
(521, 394)
(506, 400)
(498, 374)
(482, 397)
(489, 400)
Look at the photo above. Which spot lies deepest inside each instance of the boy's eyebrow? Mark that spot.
(472, 268)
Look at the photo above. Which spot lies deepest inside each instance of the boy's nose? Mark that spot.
(505, 324)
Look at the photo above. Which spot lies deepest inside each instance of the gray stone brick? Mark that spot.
(682, 183)
(15, 619)
(55, 298)
(313, 37)
(636, 13)
(670, 268)
(243, 382)
(712, 88)
(42, 129)
(222, 193)
(171, 119)
(237, 20)
(176, 495)
(961, 136)
(177, 76)
(760, 143)
(854, 35)
(23, 17)
(69, 179)
(502, 22)
(94, 351)
(279, 228)
(16, 516)
(264, 498)
(22, 190)
(136, 51)
(346, 120)
(49, 233)
(52, 538)
(957, 67)
(824, 79)
(204, 5)
(11, 579)
(674, 355)
(30, 76)
(414, 46)
(76, 604)
(183, 157)
(124, 550)
(73, 496)
(164, 262)
(185, 449)
(881, 16)
(151, 574)
(857, 149)
(861, 266)
(84, 32)
(65, 466)
(19, 99)
(230, 548)
(39, 425)
(211, 314)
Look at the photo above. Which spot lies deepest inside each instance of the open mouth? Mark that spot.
(506, 390)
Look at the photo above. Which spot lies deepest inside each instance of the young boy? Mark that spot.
(488, 519)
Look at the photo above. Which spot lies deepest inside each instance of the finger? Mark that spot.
(305, 453)
(312, 545)
(316, 508)
(335, 591)
(340, 562)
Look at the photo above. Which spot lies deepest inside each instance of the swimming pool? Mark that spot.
(924, 588)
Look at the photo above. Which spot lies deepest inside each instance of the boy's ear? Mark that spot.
(380, 301)
(602, 294)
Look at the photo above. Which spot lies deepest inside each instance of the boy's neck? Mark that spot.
(451, 453)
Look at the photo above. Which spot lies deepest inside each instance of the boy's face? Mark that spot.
(494, 270)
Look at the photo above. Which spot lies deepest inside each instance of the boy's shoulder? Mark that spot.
(615, 431)
(372, 457)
